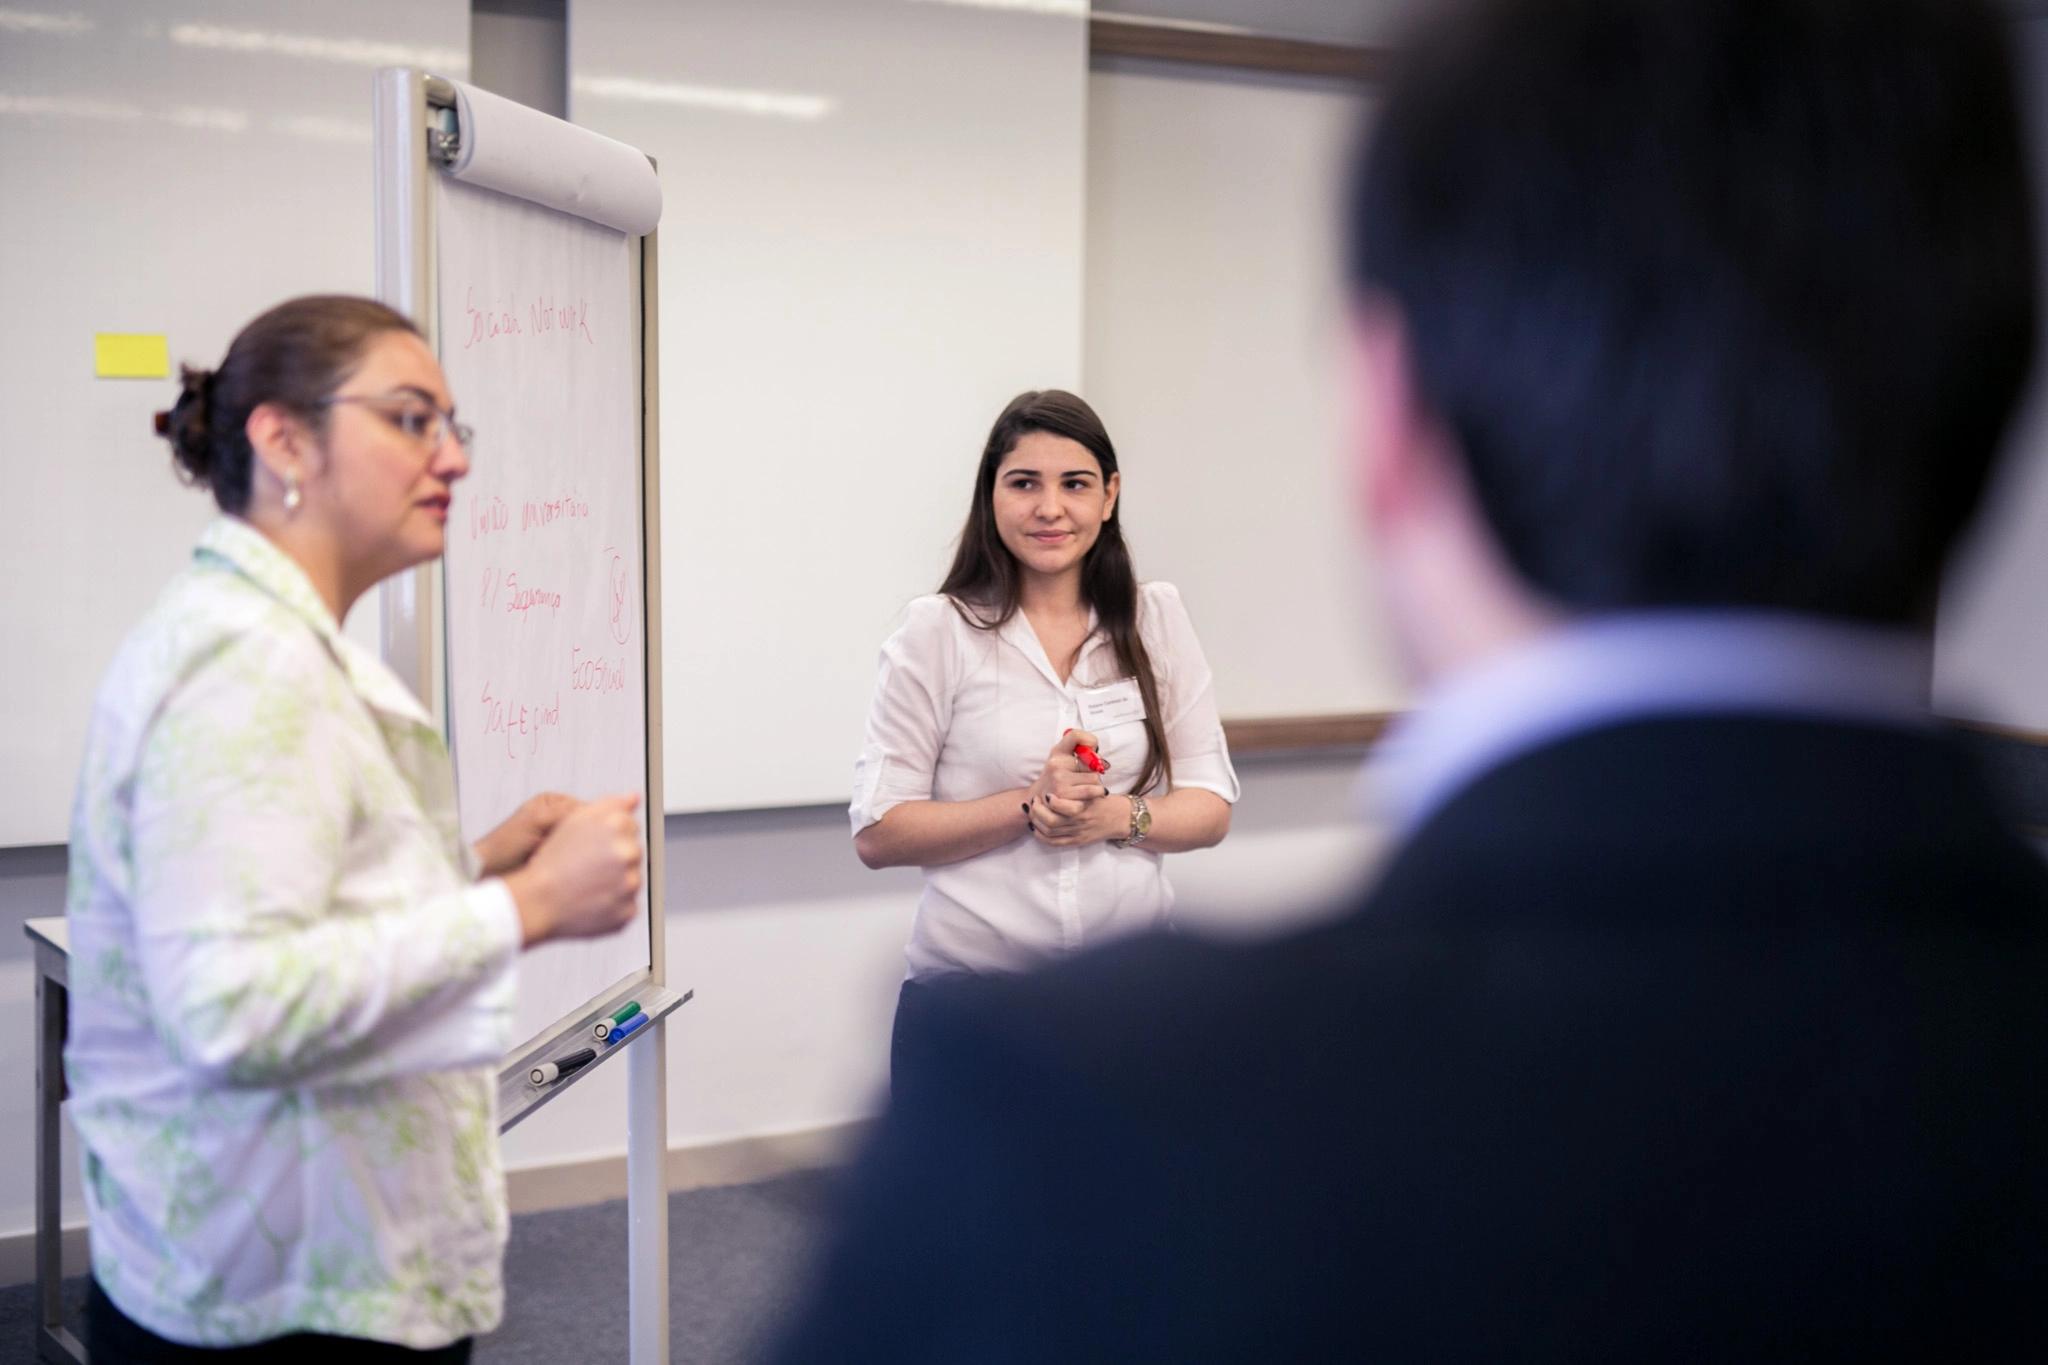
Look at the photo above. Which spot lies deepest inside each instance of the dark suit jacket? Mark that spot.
(1687, 1038)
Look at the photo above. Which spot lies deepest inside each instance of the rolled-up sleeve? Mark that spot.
(908, 717)
(1194, 730)
(244, 804)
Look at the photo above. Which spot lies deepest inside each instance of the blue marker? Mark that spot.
(627, 1029)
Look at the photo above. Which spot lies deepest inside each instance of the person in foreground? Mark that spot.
(1700, 1011)
(289, 986)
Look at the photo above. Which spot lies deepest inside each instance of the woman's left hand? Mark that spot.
(1071, 824)
(506, 848)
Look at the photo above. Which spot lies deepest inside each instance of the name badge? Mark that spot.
(1111, 704)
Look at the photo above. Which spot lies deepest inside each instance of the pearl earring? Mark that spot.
(292, 497)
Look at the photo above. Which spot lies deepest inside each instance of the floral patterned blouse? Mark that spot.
(287, 989)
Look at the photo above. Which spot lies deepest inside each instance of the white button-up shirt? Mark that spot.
(960, 713)
(287, 992)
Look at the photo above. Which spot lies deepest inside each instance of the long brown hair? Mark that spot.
(986, 587)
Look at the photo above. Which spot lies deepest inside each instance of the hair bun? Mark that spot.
(188, 426)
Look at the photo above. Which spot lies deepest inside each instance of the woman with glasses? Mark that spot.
(291, 978)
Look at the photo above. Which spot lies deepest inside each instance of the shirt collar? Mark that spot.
(251, 554)
(1018, 632)
(243, 549)
(1629, 666)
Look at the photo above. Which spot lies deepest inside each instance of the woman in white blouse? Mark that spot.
(1039, 640)
(290, 977)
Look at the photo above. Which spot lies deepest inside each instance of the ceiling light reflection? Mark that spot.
(26, 21)
(765, 103)
(313, 47)
(68, 106)
(316, 128)
(213, 120)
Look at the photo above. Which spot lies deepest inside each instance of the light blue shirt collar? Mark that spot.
(1629, 666)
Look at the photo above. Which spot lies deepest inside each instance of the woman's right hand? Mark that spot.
(581, 882)
(1065, 786)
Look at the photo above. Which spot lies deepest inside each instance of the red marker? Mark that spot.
(1090, 760)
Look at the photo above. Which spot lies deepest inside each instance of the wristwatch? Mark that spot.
(1141, 823)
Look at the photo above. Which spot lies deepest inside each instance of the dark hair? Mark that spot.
(295, 355)
(985, 585)
(1722, 303)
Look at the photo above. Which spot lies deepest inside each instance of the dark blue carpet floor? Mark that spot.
(736, 1257)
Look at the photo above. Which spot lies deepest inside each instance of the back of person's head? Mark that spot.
(294, 355)
(1721, 302)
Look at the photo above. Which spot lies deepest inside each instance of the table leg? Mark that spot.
(54, 1343)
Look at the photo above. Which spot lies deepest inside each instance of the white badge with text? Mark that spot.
(1111, 704)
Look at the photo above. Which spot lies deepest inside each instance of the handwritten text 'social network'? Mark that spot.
(539, 317)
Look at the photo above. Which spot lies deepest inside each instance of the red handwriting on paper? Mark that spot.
(620, 583)
(521, 599)
(574, 318)
(497, 586)
(594, 673)
(487, 515)
(538, 512)
(489, 321)
(486, 325)
(521, 722)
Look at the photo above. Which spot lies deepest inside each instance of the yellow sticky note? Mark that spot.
(131, 355)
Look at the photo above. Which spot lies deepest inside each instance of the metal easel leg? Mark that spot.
(647, 1196)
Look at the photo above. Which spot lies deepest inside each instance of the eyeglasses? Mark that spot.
(413, 415)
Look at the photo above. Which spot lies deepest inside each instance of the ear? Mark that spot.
(1396, 446)
(1114, 487)
(279, 441)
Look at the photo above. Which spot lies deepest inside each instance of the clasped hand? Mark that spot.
(506, 848)
(1068, 806)
(573, 867)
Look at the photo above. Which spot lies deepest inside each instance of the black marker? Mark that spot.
(547, 1072)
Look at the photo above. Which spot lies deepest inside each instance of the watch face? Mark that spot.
(1143, 821)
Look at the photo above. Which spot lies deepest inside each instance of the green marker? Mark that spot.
(604, 1027)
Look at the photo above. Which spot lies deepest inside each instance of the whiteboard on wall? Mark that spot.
(159, 173)
(532, 634)
(1214, 347)
(872, 242)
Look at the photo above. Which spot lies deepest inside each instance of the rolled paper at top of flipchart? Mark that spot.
(507, 147)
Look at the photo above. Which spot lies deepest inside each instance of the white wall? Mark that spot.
(1214, 329)
(871, 239)
(170, 172)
